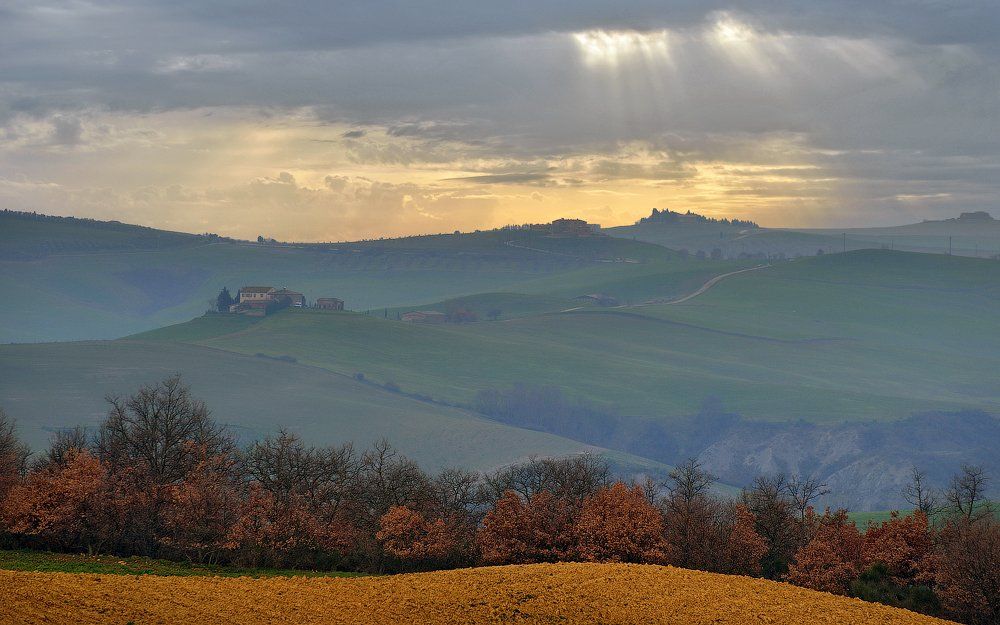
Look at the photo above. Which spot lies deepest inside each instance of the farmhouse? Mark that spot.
(294, 299)
(256, 296)
(424, 316)
(329, 303)
(572, 228)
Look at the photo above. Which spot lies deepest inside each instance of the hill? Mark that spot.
(966, 236)
(51, 386)
(71, 279)
(542, 593)
(851, 367)
(858, 336)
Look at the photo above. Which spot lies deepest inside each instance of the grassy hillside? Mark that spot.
(76, 279)
(541, 593)
(733, 241)
(47, 562)
(867, 335)
(51, 386)
(815, 365)
(967, 239)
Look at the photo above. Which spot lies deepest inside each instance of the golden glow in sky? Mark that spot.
(302, 128)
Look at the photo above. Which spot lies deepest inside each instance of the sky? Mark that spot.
(316, 120)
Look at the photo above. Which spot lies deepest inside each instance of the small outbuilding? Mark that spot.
(295, 299)
(330, 303)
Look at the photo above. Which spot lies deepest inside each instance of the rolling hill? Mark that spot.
(542, 593)
(47, 387)
(77, 279)
(851, 366)
(866, 335)
(971, 234)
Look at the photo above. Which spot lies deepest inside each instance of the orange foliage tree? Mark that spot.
(414, 539)
(832, 559)
(902, 545)
(200, 510)
(618, 524)
(282, 532)
(967, 571)
(61, 506)
(520, 532)
(744, 547)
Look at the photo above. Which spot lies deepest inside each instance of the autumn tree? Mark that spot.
(155, 429)
(200, 511)
(517, 531)
(618, 524)
(832, 559)
(284, 532)
(418, 542)
(744, 548)
(61, 507)
(900, 544)
(63, 444)
(967, 575)
(157, 436)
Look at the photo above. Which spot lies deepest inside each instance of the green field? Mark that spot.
(51, 386)
(48, 562)
(76, 280)
(834, 353)
(967, 239)
(867, 335)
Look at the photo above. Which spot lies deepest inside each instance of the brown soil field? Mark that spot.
(542, 593)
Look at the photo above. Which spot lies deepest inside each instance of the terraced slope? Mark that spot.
(541, 593)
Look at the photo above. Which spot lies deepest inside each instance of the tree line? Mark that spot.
(160, 477)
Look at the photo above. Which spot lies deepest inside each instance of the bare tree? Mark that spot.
(62, 444)
(919, 495)
(388, 478)
(967, 492)
(284, 466)
(13, 453)
(571, 477)
(162, 429)
(689, 481)
(804, 491)
(775, 521)
(457, 492)
(690, 514)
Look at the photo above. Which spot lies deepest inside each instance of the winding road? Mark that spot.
(717, 279)
(664, 302)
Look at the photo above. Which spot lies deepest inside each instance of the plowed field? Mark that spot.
(547, 593)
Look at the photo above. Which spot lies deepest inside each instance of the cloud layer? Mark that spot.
(302, 121)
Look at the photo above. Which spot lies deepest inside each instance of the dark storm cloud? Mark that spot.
(896, 96)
